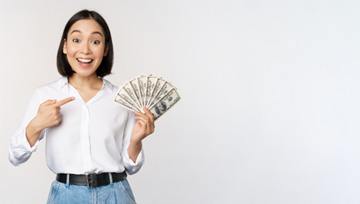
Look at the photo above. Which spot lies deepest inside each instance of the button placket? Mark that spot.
(86, 138)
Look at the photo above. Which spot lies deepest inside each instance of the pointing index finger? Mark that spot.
(64, 101)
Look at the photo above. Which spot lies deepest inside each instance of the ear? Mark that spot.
(65, 47)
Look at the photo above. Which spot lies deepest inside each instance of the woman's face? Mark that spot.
(85, 47)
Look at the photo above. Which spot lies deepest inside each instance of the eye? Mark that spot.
(75, 40)
(96, 42)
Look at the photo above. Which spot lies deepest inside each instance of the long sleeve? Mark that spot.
(20, 149)
(97, 132)
(131, 166)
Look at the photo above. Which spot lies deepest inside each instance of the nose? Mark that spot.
(85, 49)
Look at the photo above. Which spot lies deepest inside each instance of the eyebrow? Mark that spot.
(95, 32)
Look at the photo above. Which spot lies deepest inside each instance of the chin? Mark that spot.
(82, 73)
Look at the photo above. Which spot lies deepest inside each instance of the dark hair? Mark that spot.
(105, 67)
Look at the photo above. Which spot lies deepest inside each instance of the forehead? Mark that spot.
(86, 26)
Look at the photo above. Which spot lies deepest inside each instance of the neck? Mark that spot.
(88, 82)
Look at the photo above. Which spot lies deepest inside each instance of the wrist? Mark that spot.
(135, 141)
(34, 127)
(134, 149)
(32, 134)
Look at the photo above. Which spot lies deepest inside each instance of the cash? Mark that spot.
(152, 92)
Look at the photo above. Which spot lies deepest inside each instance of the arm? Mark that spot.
(21, 148)
(134, 149)
(33, 128)
(139, 127)
(132, 164)
(48, 115)
(32, 133)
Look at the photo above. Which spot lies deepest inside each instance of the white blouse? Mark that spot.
(93, 137)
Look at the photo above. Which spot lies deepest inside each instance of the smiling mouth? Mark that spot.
(84, 60)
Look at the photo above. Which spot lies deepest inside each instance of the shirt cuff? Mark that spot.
(25, 143)
(131, 166)
(139, 159)
(20, 149)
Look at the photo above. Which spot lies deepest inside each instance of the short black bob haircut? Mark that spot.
(105, 67)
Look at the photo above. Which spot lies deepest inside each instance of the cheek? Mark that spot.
(99, 53)
(71, 51)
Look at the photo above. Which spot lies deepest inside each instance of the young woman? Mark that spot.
(92, 143)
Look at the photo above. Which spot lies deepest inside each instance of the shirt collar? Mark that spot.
(63, 81)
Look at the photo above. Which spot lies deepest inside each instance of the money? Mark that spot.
(165, 89)
(142, 87)
(159, 84)
(152, 92)
(165, 103)
(124, 98)
(151, 82)
(135, 91)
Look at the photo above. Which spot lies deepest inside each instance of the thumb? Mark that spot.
(48, 102)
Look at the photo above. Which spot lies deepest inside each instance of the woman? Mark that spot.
(91, 142)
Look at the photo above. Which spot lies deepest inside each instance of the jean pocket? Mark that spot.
(53, 192)
(110, 199)
(126, 189)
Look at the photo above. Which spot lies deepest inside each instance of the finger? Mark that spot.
(64, 101)
(142, 115)
(139, 118)
(58, 120)
(143, 124)
(152, 126)
(139, 110)
(50, 101)
(139, 114)
(149, 114)
(150, 123)
(150, 120)
(56, 111)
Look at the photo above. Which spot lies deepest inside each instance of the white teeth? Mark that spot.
(84, 60)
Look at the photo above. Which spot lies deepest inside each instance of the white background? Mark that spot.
(270, 96)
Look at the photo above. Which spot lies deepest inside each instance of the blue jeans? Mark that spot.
(115, 193)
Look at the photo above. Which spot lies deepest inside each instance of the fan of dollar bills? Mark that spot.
(151, 92)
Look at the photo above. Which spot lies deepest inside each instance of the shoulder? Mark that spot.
(112, 87)
(54, 84)
(51, 87)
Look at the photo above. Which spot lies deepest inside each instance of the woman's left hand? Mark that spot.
(144, 125)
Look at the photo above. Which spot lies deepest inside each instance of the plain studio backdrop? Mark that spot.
(270, 96)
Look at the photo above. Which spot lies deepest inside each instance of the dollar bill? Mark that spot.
(151, 82)
(165, 89)
(149, 91)
(165, 103)
(159, 84)
(135, 88)
(130, 92)
(142, 80)
(124, 98)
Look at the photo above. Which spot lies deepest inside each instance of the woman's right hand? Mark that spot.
(48, 115)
